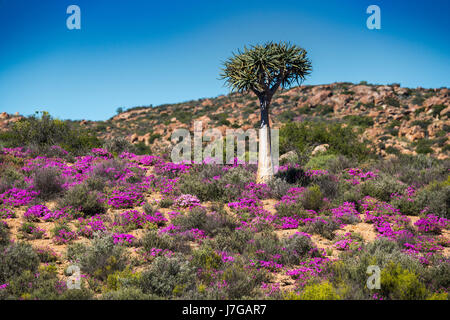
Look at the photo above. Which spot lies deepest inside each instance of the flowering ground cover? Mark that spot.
(143, 227)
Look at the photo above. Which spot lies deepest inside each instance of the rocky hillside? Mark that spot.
(394, 118)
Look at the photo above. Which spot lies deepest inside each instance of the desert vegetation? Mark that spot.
(141, 227)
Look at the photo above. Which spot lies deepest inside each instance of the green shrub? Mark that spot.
(413, 170)
(121, 279)
(297, 247)
(48, 182)
(242, 282)
(16, 259)
(28, 230)
(80, 197)
(130, 293)
(312, 198)
(398, 283)
(293, 175)
(41, 285)
(437, 276)
(437, 108)
(302, 136)
(382, 187)
(11, 178)
(168, 276)
(325, 227)
(423, 146)
(351, 269)
(436, 197)
(206, 258)
(320, 161)
(232, 241)
(118, 145)
(4, 235)
(102, 257)
(358, 120)
(290, 209)
(278, 187)
(328, 184)
(319, 291)
(44, 131)
(152, 239)
(339, 163)
(165, 202)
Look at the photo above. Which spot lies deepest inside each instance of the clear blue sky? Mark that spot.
(132, 53)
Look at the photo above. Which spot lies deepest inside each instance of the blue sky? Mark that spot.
(135, 52)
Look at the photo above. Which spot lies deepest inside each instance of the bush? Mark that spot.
(423, 146)
(339, 163)
(351, 269)
(302, 136)
(382, 187)
(4, 235)
(437, 276)
(153, 239)
(417, 170)
(232, 240)
(322, 226)
(206, 259)
(400, 283)
(165, 202)
(319, 291)
(357, 120)
(278, 187)
(131, 293)
(328, 184)
(80, 198)
(11, 178)
(102, 258)
(16, 259)
(297, 247)
(320, 162)
(168, 276)
(242, 282)
(435, 197)
(228, 188)
(48, 182)
(312, 198)
(44, 131)
(293, 175)
(40, 285)
(118, 145)
(122, 279)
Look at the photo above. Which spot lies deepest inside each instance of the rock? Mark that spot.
(320, 97)
(412, 133)
(288, 156)
(4, 116)
(446, 111)
(434, 128)
(134, 138)
(319, 149)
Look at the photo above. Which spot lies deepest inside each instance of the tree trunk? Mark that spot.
(265, 167)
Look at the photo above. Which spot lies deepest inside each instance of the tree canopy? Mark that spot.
(262, 69)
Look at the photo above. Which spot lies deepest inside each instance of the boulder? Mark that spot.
(320, 148)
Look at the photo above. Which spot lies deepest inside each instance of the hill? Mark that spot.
(396, 119)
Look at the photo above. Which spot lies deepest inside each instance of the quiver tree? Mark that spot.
(262, 69)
